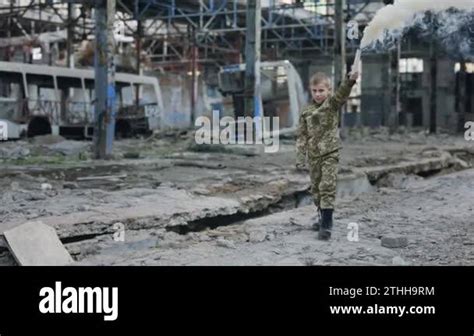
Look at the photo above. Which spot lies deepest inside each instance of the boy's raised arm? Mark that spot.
(343, 92)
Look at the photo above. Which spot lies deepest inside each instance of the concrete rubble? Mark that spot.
(179, 205)
(392, 241)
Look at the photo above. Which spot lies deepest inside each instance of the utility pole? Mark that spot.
(339, 48)
(434, 76)
(10, 30)
(461, 96)
(138, 42)
(193, 75)
(70, 37)
(394, 88)
(104, 79)
(252, 93)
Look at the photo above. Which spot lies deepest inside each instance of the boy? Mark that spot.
(318, 142)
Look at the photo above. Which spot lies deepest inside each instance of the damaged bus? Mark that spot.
(282, 91)
(38, 99)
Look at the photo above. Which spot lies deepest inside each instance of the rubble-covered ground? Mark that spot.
(403, 199)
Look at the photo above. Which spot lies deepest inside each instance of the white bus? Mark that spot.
(282, 91)
(40, 99)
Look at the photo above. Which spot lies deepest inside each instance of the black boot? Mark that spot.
(326, 224)
(317, 221)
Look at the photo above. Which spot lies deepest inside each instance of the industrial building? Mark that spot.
(186, 43)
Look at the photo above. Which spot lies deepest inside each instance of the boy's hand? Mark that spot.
(354, 76)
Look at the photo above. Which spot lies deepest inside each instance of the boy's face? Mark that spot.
(320, 92)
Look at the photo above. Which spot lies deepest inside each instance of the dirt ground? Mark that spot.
(164, 201)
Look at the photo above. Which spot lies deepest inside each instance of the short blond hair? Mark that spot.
(320, 78)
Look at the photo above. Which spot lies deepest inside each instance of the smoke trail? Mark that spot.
(393, 19)
(455, 29)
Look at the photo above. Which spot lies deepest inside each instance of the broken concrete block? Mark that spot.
(70, 185)
(68, 147)
(34, 197)
(398, 261)
(393, 241)
(46, 186)
(461, 164)
(15, 153)
(83, 207)
(201, 191)
(257, 236)
(36, 244)
(397, 180)
(225, 243)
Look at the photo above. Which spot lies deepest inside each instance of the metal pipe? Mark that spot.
(104, 130)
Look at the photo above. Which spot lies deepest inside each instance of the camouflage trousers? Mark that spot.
(323, 174)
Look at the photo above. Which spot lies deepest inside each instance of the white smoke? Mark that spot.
(455, 29)
(402, 14)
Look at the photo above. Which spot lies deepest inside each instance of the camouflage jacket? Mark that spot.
(318, 132)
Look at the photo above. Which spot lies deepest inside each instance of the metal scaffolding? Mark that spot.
(298, 29)
(168, 30)
(26, 24)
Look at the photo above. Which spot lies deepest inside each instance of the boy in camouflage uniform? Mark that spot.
(318, 142)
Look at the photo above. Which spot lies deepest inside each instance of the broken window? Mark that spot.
(411, 65)
(469, 67)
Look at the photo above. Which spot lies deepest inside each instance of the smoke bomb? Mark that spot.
(355, 65)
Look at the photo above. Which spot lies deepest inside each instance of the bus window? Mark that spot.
(11, 94)
(40, 80)
(128, 96)
(148, 95)
(10, 85)
(10, 103)
(76, 103)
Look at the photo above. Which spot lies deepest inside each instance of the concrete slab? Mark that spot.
(36, 244)
(166, 207)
